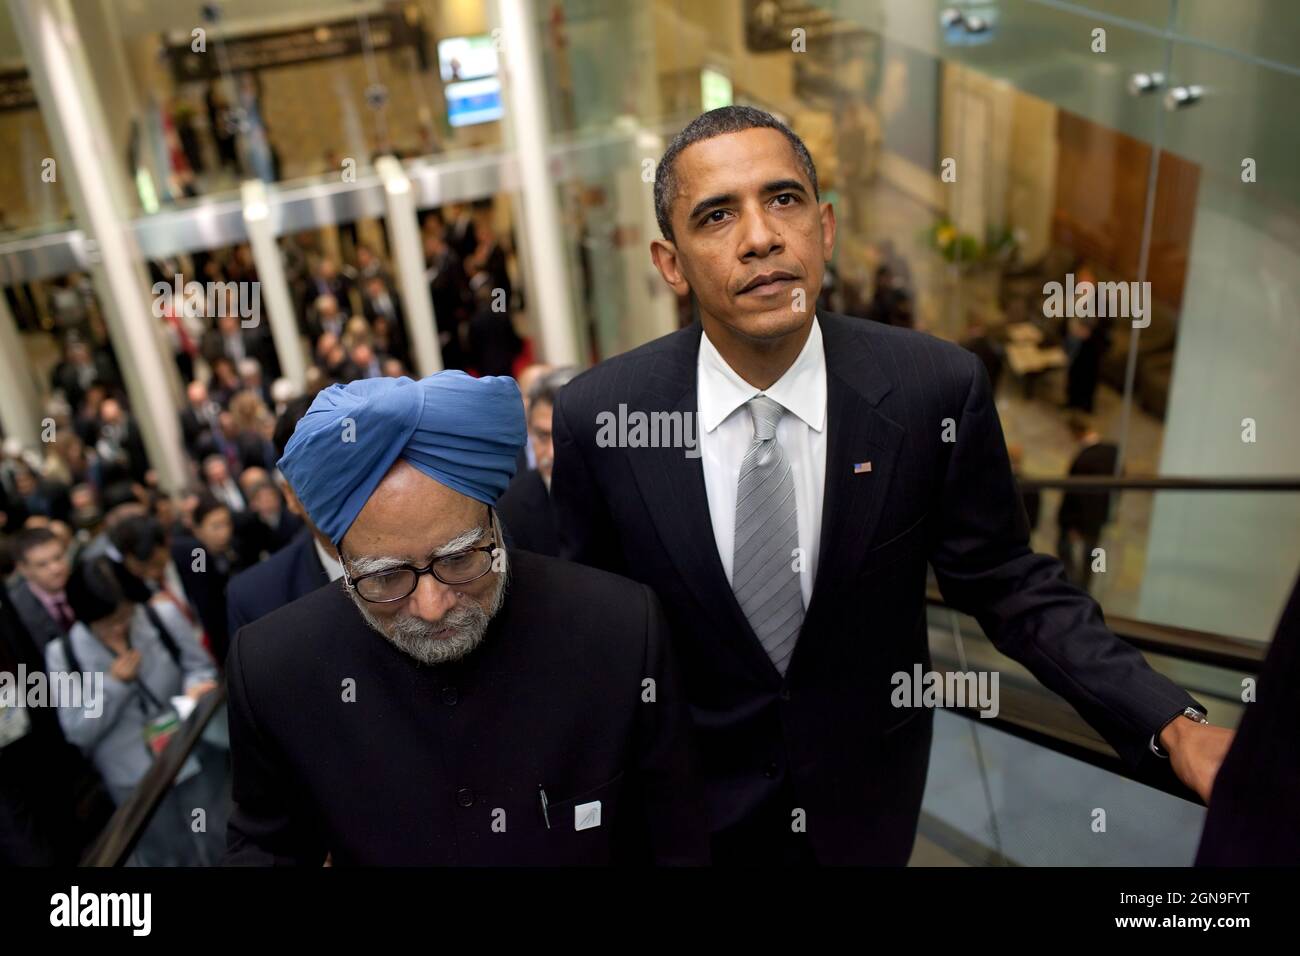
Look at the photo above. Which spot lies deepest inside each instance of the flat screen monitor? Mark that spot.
(473, 101)
(467, 58)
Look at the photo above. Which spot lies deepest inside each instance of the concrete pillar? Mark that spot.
(408, 254)
(92, 173)
(550, 298)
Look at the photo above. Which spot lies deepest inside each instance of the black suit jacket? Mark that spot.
(1253, 818)
(572, 691)
(40, 626)
(528, 514)
(206, 590)
(856, 764)
(288, 574)
(1085, 511)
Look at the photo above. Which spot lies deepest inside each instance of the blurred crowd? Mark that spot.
(105, 571)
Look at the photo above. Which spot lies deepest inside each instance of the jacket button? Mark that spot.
(465, 797)
(785, 693)
(771, 770)
(449, 696)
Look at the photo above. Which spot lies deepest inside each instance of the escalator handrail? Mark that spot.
(122, 832)
(1180, 643)
(1099, 483)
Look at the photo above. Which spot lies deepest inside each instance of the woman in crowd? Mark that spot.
(146, 655)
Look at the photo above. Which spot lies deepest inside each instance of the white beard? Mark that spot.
(460, 631)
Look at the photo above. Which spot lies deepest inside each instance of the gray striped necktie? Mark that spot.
(767, 532)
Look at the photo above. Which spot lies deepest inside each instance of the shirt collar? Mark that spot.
(48, 598)
(333, 569)
(800, 391)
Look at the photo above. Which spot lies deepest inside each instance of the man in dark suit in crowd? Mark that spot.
(38, 590)
(1083, 514)
(1254, 816)
(200, 421)
(306, 563)
(493, 342)
(526, 506)
(421, 711)
(230, 339)
(788, 534)
(51, 800)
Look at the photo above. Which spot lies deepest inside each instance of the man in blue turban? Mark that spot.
(520, 709)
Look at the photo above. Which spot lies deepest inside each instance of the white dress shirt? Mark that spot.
(333, 568)
(726, 432)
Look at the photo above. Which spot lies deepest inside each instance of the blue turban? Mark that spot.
(462, 432)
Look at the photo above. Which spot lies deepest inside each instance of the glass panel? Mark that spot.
(1227, 562)
(1268, 29)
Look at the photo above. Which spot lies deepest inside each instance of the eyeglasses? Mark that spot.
(397, 584)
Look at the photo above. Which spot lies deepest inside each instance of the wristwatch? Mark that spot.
(1191, 713)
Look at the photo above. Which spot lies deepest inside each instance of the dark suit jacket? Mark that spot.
(857, 765)
(281, 579)
(1253, 818)
(40, 626)
(1089, 512)
(528, 514)
(206, 590)
(443, 765)
(493, 343)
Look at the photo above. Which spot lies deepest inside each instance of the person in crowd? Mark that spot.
(52, 803)
(252, 425)
(270, 524)
(493, 343)
(326, 316)
(250, 478)
(1031, 498)
(206, 559)
(118, 445)
(254, 380)
(184, 330)
(378, 298)
(224, 383)
(142, 560)
(792, 626)
(86, 417)
(147, 655)
(449, 289)
(328, 281)
(1086, 340)
(890, 303)
(526, 507)
(424, 623)
(33, 494)
(67, 460)
(487, 263)
(461, 235)
(219, 484)
(117, 502)
(308, 561)
(37, 592)
(529, 376)
(368, 267)
(80, 369)
(1083, 514)
(986, 348)
(86, 516)
(200, 420)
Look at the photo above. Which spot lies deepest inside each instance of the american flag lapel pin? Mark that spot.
(862, 467)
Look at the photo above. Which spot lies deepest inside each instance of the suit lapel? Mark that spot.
(857, 434)
(672, 487)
